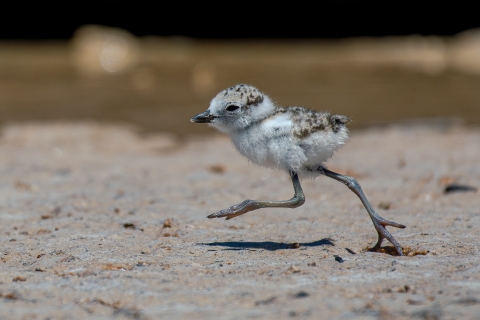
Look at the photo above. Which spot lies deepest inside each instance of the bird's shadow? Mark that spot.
(268, 245)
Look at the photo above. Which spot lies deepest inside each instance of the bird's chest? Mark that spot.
(252, 145)
(261, 143)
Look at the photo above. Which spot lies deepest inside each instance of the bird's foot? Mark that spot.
(383, 233)
(235, 210)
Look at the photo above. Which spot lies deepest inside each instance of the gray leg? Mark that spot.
(378, 221)
(250, 205)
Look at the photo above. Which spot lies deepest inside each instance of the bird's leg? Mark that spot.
(250, 205)
(379, 222)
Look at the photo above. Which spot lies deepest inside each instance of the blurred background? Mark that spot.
(156, 65)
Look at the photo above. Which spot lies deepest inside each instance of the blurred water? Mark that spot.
(159, 83)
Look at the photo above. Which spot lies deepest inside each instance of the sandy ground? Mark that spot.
(99, 222)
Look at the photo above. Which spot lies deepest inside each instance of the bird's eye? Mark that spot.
(232, 107)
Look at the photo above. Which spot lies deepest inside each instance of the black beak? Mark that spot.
(204, 117)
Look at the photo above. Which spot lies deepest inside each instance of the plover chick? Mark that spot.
(296, 140)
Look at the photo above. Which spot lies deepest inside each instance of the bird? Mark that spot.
(295, 140)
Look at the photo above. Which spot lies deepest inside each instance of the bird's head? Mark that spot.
(235, 108)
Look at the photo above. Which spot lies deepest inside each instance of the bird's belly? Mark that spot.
(279, 152)
(274, 146)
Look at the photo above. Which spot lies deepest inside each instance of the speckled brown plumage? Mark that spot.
(306, 121)
(248, 95)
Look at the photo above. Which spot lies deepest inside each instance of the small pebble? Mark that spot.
(350, 251)
(453, 187)
(19, 279)
(300, 294)
(295, 245)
